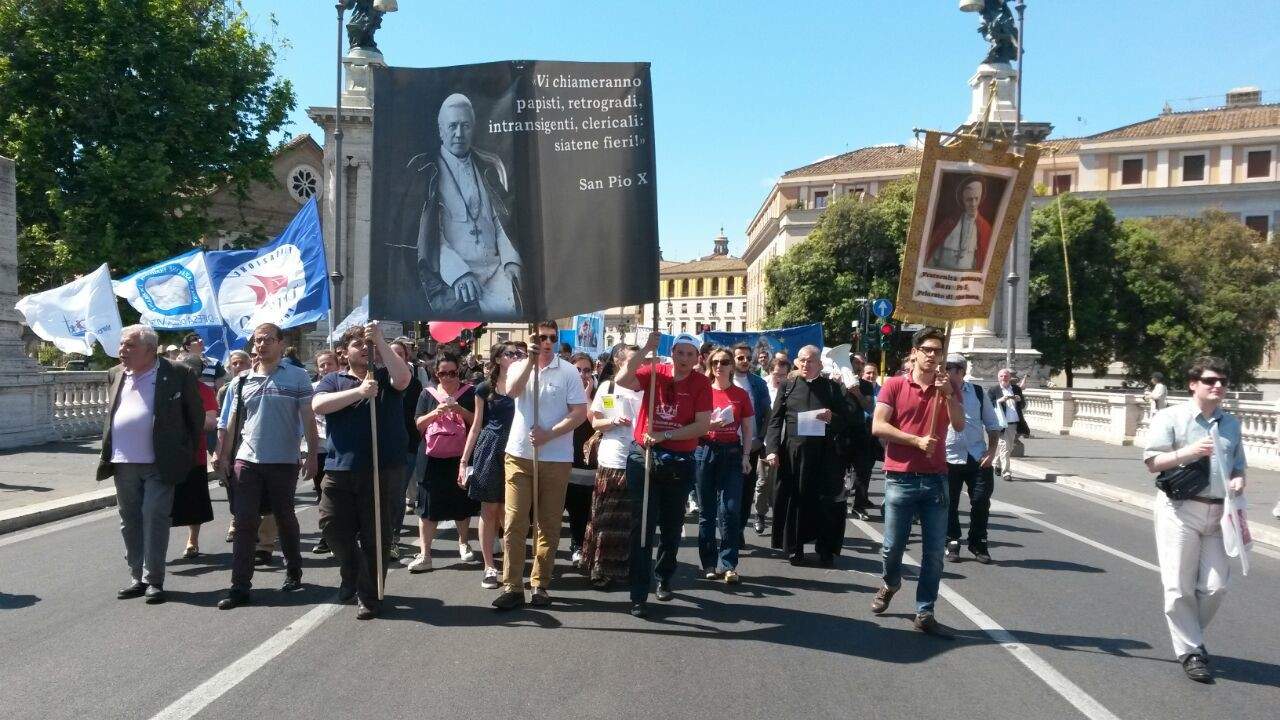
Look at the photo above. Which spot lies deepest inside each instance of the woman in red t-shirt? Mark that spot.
(723, 457)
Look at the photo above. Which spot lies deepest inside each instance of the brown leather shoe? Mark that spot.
(880, 602)
(925, 622)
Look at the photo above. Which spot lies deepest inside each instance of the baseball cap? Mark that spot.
(685, 339)
(957, 360)
(172, 348)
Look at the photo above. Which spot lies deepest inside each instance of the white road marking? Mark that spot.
(1001, 506)
(215, 687)
(1056, 681)
(1090, 542)
(53, 527)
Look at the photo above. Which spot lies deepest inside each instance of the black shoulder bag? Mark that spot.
(1184, 481)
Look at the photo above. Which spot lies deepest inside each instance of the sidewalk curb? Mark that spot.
(1261, 534)
(54, 510)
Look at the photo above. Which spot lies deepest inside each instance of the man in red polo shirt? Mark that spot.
(912, 413)
(682, 414)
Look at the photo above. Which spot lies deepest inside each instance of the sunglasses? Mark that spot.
(1214, 380)
(545, 338)
(447, 373)
(516, 355)
(718, 363)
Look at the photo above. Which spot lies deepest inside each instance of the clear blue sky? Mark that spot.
(744, 91)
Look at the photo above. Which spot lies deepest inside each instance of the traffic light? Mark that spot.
(886, 332)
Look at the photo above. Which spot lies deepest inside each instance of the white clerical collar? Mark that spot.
(457, 163)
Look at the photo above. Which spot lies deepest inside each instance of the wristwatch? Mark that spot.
(666, 436)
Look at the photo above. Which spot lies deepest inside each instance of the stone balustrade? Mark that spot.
(80, 403)
(1123, 419)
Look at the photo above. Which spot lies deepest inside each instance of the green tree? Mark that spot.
(122, 116)
(1196, 286)
(1092, 235)
(854, 251)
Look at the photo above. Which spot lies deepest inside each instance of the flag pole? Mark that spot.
(377, 484)
(648, 450)
(933, 408)
(537, 360)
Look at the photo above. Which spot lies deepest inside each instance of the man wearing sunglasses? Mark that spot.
(1194, 568)
(913, 412)
(562, 406)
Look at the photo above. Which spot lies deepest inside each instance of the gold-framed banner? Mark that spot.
(967, 205)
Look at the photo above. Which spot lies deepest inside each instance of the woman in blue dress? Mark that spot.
(481, 470)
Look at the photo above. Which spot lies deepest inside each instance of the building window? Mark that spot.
(859, 192)
(684, 288)
(820, 200)
(504, 337)
(698, 292)
(1131, 171)
(1193, 168)
(1258, 164)
(1259, 224)
(728, 307)
(697, 308)
(304, 183)
(1061, 183)
(715, 286)
(684, 327)
(684, 308)
(728, 326)
(713, 308)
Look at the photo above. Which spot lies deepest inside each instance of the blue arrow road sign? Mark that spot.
(882, 307)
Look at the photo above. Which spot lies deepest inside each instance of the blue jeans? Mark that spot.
(668, 491)
(905, 496)
(719, 478)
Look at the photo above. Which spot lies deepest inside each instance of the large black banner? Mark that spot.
(512, 191)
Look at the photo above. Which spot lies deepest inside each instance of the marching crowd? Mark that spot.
(627, 445)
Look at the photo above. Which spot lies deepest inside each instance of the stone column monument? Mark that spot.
(24, 389)
(994, 86)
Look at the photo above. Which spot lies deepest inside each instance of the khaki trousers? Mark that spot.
(553, 480)
(1194, 568)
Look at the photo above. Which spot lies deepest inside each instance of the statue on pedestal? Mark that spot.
(366, 18)
(1000, 31)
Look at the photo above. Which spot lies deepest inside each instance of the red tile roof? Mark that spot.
(1193, 122)
(877, 157)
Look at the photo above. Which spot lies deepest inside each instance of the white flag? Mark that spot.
(175, 293)
(74, 316)
(358, 316)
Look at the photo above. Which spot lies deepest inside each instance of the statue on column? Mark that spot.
(366, 18)
(1000, 31)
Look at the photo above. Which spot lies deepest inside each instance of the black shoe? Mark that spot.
(796, 558)
(826, 560)
(365, 612)
(261, 557)
(759, 527)
(861, 514)
(345, 593)
(602, 584)
(154, 594)
(234, 599)
(1197, 668)
(509, 600)
(137, 589)
(953, 551)
(639, 609)
(926, 623)
(981, 555)
(540, 598)
(321, 548)
(664, 591)
(291, 583)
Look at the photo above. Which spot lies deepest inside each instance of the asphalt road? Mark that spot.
(1066, 624)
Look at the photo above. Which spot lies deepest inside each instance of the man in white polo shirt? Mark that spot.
(562, 406)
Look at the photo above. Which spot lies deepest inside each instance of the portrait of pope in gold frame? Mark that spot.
(967, 203)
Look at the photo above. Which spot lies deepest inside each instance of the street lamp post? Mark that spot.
(1011, 323)
(335, 274)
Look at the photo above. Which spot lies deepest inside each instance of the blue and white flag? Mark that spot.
(358, 316)
(76, 315)
(175, 293)
(285, 282)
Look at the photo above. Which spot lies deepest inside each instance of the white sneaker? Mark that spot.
(1276, 510)
(466, 553)
(576, 560)
(490, 579)
(421, 563)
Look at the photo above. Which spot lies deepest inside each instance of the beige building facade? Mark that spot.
(710, 292)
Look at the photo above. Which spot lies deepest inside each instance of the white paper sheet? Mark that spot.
(808, 424)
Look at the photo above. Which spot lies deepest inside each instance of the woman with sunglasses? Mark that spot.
(582, 478)
(443, 414)
(722, 458)
(480, 471)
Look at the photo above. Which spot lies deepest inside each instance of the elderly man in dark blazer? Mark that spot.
(148, 442)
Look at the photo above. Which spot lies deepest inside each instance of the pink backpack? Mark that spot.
(446, 435)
